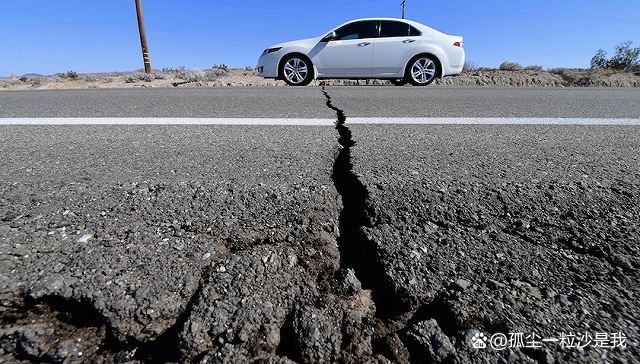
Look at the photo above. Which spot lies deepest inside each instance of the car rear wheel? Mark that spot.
(422, 70)
(297, 71)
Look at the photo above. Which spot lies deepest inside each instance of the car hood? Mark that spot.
(308, 43)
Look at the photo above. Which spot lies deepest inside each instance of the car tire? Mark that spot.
(296, 70)
(422, 70)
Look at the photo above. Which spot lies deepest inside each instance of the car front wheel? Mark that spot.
(421, 70)
(297, 71)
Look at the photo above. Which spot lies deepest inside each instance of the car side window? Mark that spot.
(397, 29)
(357, 30)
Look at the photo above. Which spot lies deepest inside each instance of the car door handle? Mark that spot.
(363, 44)
(408, 41)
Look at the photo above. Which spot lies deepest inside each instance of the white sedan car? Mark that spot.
(396, 49)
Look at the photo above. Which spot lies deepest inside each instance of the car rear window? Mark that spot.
(390, 28)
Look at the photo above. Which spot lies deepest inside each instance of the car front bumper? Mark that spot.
(268, 65)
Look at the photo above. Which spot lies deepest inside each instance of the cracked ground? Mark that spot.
(351, 244)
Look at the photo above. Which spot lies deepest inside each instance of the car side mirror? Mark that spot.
(329, 37)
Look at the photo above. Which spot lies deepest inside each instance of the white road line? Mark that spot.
(495, 121)
(317, 122)
(163, 121)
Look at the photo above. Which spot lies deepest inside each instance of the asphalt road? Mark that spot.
(409, 243)
(309, 102)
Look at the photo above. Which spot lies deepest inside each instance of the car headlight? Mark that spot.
(272, 50)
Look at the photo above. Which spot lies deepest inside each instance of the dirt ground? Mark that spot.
(562, 77)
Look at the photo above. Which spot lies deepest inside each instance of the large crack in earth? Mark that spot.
(356, 252)
(394, 313)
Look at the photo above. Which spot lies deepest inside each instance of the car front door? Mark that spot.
(349, 53)
(394, 47)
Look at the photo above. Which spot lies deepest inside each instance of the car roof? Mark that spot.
(410, 22)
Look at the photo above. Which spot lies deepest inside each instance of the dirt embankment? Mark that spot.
(562, 77)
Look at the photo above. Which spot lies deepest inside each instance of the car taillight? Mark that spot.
(457, 44)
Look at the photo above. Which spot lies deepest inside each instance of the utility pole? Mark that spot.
(402, 4)
(143, 37)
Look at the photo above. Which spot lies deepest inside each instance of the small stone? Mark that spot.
(85, 238)
(348, 283)
(467, 336)
(522, 225)
(493, 284)
(58, 267)
(565, 300)
(435, 345)
(64, 223)
(461, 284)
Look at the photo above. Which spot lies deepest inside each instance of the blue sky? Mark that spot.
(47, 37)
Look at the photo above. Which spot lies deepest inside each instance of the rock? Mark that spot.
(467, 337)
(460, 284)
(85, 238)
(63, 223)
(348, 283)
(493, 284)
(425, 340)
(316, 335)
(522, 225)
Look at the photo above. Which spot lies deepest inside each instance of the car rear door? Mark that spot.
(393, 47)
(349, 53)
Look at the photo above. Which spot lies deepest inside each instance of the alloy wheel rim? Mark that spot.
(295, 70)
(423, 70)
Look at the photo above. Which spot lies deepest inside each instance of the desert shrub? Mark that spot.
(510, 66)
(34, 80)
(194, 75)
(198, 75)
(90, 77)
(11, 81)
(558, 71)
(469, 66)
(68, 75)
(183, 73)
(626, 58)
(534, 68)
(216, 72)
(55, 79)
(139, 76)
